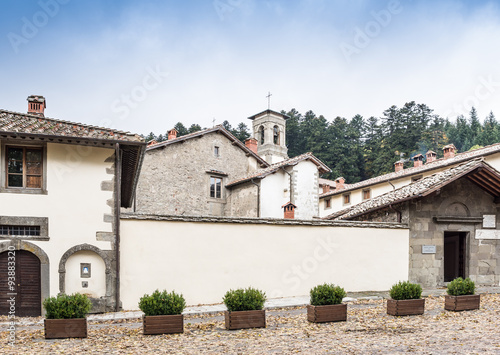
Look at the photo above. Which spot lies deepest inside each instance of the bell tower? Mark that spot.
(269, 129)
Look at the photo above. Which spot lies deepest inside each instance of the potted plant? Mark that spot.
(245, 309)
(326, 304)
(461, 295)
(162, 312)
(405, 299)
(65, 316)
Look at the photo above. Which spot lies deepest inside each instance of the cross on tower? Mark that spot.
(269, 100)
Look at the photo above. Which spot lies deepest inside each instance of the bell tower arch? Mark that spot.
(269, 129)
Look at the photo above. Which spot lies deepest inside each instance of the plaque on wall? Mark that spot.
(487, 234)
(428, 249)
(489, 221)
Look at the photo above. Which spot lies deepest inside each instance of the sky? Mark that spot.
(145, 65)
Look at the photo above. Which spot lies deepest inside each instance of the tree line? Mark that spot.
(360, 148)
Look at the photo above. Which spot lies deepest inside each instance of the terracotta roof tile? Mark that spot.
(33, 124)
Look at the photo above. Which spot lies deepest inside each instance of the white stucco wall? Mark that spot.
(306, 190)
(97, 280)
(203, 260)
(74, 204)
(273, 194)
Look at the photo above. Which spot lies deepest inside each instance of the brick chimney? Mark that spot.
(152, 142)
(251, 143)
(398, 166)
(172, 134)
(289, 210)
(431, 156)
(339, 183)
(418, 160)
(326, 188)
(36, 105)
(449, 151)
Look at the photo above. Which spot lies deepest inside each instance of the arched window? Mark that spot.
(276, 135)
(261, 134)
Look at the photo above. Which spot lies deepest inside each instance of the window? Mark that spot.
(24, 167)
(367, 194)
(261, 134)
(328, 203)
(215, 187)
(276, 135)
(216, 151)
(6, 230)
(347, 199)
(416, 178)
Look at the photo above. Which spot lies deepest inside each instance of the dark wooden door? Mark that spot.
(454, 255)
(27, 287)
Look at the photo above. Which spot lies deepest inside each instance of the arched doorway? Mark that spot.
(26, 290)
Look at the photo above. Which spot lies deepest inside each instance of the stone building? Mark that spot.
(211, 173)
(453, 218)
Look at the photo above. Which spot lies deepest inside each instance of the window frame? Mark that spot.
(348, 197)
(328, 203)
(5, 145)
(363, 192)
(216, 151)
(215, 179)
(41, 222)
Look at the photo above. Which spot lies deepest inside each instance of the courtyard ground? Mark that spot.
(368, 330)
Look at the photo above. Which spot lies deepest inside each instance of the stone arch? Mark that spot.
(454, 208)
(40, 254)
(108, 262)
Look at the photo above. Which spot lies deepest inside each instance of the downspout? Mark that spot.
(291, 184)
(118, 202)
(258, 197)
(393, 187)
(398, 213)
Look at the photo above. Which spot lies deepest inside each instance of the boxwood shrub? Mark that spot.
(405, 290)
(460, 287)
(162, 303)
(66, 307)
(249, 299)
(327, 294)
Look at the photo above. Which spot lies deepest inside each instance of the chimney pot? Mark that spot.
(251, 143)
(339, 183)
(431, 156)
(449, 151)
(172, 134)
(418, 160)
(37, 105)
(398, 166)
(289, 210)
(326, 188)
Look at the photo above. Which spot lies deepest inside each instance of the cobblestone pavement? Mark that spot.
(368, 330)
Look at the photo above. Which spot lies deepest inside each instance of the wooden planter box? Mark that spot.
(462, 303)
(329, 313)
(65, 328)
(245, 319)
(170, 324)
(405, 307)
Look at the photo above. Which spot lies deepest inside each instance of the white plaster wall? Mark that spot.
(273, 194)
(74, 203)
(306, 193)
(204, 260)
(96, 283)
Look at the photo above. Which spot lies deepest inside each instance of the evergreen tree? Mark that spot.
(241, 132)
(194, 128)
(181, 129)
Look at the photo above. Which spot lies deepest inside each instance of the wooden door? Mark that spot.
(454, 255)
(27, 287)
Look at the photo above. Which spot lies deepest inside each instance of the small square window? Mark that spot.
(367, 194)
(347, 199)
(216, 151)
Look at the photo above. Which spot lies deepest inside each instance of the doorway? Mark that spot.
(454, 255)
(27, 287)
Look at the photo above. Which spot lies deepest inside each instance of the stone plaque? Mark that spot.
(487, 234)
(428, 249)
(489, 221)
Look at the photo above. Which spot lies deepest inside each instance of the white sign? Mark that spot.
(428, 249)
(487, 234)
(489, 221)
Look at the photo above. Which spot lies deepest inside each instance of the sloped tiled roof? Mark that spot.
(437, 164)
(22, 123)
(422, 187)
(262, 173)
(218, 129)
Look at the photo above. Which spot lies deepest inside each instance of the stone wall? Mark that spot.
(175, 179)
(242, 200)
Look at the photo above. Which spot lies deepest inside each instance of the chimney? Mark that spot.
(431, 156)
(449, 151)
(289, 210)
(398, 166)
(172, 134)
(326, 188)
(152, 142)
(36, 105)
(251, 143)
(339, 183)
(418, 160)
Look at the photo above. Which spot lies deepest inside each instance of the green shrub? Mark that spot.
(405, 290)
(65, 307)
(459, 287)
(327, 294)
(162, 303)
(249, 299)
